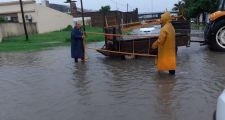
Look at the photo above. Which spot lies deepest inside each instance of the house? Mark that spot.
(79, 20)
(72, 10)
(45, 18)
(58, 7)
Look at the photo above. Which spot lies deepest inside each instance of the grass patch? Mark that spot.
(45, 41)
(92, 37)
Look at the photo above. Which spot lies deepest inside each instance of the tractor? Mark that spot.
(215, 30)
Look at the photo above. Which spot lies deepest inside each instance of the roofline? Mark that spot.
(16, 2)
(15, 12)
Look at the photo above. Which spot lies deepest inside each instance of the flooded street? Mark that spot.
(48, 85)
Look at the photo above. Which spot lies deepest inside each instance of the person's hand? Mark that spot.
(83, 36)
(154, 45)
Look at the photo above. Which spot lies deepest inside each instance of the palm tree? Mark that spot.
(181, 8)
(104, 10)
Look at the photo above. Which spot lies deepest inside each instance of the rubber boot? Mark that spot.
(75, 60)
(172, 72)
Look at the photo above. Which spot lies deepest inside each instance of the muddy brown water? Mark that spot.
(47, 85)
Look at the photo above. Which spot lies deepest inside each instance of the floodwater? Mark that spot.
(48, 85)
(152, 30)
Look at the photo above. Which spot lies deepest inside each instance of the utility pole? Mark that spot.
(116, 5)
(24, 23)
(127, 14)
(82, 12)
(71, 7)
(127, 7)
(152, 5)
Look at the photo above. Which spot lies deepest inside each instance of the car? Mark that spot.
(219, 114)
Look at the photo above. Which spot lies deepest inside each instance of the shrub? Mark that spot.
(68, 28)
(2, 20)
(67, 40)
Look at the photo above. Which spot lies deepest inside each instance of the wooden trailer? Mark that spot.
(135, 45)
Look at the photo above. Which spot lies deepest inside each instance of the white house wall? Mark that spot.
(49, 20)
(8, 9)
(32, 14)
(16, 8)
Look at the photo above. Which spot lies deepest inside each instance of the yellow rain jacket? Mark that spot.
(166, 59)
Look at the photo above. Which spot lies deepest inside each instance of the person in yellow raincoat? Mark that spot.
(166, 44)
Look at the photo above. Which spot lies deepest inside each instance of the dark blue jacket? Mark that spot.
(77, 48)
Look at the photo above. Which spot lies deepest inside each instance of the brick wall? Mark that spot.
(113, 17)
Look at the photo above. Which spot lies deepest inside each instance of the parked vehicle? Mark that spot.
(215, 30)
(219, 113)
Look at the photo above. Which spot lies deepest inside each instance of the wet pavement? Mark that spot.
(48, 85)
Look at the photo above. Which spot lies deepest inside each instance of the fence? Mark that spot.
(16, 29)
(87, 20)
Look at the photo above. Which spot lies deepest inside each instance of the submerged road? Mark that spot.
(47, 85)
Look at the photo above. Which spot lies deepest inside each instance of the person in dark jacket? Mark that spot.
(77, 44)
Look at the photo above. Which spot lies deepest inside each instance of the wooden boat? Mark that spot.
(140, 45)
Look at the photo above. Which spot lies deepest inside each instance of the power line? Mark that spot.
(122, 4)
(115, 3)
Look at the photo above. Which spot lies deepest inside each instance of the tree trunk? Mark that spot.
(203, 17)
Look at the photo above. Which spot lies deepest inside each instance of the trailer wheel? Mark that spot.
(218, 41)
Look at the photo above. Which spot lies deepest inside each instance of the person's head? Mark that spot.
(77, 26)
(165, 18)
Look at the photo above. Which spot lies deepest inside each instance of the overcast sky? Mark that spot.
(142, 5)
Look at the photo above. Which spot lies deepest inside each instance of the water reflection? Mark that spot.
(22, 59)
(151, 30)
(48, 85)
(82, 83)
(165, 89)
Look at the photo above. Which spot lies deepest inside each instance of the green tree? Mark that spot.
(180, 7)
(2, 20)
(105, 9)
(193, 8)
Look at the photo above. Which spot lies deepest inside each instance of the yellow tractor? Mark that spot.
(215, 30)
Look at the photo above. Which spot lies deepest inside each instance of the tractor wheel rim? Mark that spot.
(220, 37)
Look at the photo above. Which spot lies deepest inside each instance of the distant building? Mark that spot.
(46, 19)
(152, 15)
(113, 17)
(61, 8)
(203, 18)
(87, 20)
(58, 7)
(74, 10)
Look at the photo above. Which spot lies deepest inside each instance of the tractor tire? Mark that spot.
(217, 43)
